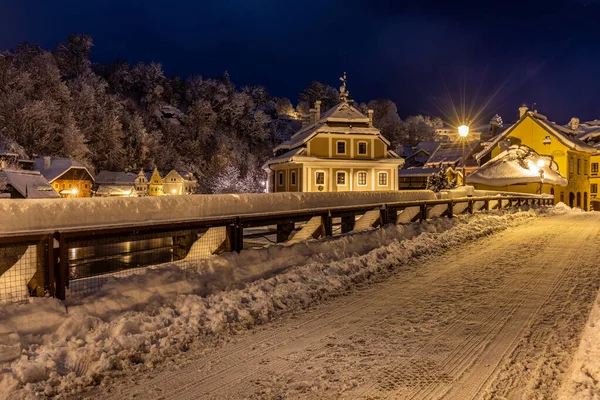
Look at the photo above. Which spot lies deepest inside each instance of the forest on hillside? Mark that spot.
(119, 116)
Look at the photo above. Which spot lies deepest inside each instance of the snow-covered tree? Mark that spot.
(329, 97)
(439, 181)
(419, 128)
(496, 124)
(386, 119)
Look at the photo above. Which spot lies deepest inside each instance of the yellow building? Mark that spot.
(155, 183)
(338, 151)
(570, 156)
(66, 176)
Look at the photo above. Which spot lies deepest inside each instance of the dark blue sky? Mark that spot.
(419, 54)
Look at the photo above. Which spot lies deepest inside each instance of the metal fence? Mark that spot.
(76, 262)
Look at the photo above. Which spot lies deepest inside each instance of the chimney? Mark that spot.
(313, 114)
(47, 161)
(523, 110)
(318, 110)
(574, 123)
(305, 120)
(370, 112)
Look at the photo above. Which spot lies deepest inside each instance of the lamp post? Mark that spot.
(463, 131)
(540, 164)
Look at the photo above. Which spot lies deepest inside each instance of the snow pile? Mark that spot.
(136, 322)
(45, 215)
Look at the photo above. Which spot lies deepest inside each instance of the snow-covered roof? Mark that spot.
(429, 147)
(116, 178)
(451, 153)
(30, 184)
(57, 167)
(417, 172)
(353, 119)
(7, 153)
(517, 164)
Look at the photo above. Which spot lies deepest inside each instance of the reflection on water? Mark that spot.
(113, 257)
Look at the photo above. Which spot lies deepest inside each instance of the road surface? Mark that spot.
(496, 318)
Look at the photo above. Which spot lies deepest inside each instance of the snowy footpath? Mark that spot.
(417, 311)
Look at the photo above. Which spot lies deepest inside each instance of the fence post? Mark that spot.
(393, 216)
(235, 236)
(383, 215)
(424, 212)
(450, 212)
(348, 223)
(470, 207)
(62, 274)
(510, 202)
(486, 205)
(327, 223)
(50, 265)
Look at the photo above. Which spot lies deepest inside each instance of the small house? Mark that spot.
(68, 177)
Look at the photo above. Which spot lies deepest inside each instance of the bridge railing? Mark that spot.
(74, 262)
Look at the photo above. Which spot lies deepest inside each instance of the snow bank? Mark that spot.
(136, 322)
(44, 215)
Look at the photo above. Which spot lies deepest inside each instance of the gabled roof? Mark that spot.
(57, 167)
(341, 113)
(517, 165)
(116, 178)
(429, 147)
(565, 135)
(417, 172)
(30, 184)
(116, 190)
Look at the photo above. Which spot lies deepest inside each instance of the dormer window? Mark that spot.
(362, 148)
(341, 147)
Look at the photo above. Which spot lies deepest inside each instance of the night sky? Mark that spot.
(420, 54)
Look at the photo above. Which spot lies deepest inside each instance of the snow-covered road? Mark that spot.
(497, 318)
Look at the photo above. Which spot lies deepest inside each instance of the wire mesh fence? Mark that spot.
(76, 263)
(23, 268)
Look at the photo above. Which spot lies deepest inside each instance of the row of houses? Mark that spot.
(341, 150)
(51, 177)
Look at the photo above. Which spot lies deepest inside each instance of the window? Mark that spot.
(362, 178)
(320, 178)
(281, 179)
(570, 165)
(578, 166)
(594, 168)
(70, 186)
(293, 178)
(341, 147)
(56, 185)
(341, 178)
(562, 197)
(85, 186)
(383, 178)
(63, 185)
(362, 148)
(594, 188)
(585, 167)
(547, 140)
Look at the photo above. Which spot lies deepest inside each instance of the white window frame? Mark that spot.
(317, 180)
(293, 178)
(358, 179)
(280, 181)
(366, 148)
(592, 187)
(379, 178)
(337, 173)
(337, 147)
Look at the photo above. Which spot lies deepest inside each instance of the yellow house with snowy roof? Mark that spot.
(337, 151)
(569, 156)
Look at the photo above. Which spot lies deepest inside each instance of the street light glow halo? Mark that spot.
(463, 130)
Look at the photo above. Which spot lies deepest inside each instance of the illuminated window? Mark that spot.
(341, 147)
(362, 178)
(320, 178)
(341, 178)
(571, 166)
(594, 168)
(594, 188)
(293, 178)
(362, 148)
(383, 178)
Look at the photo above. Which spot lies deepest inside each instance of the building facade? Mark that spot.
(338, 151)
(66, 176)
(572, 157)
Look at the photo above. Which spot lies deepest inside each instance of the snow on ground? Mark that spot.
(49, 215)
(139, 321)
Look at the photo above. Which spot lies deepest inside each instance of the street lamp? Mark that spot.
(463, 131)
(540, 164)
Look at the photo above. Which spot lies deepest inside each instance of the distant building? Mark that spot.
(21, 184)
(10, 159)
(120, 184)
(68, 177)
(421, 154)
(179, 182)
(155, 183)
(451, 155)
(337, 151)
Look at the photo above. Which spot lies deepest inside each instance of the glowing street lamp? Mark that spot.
(463, 131)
